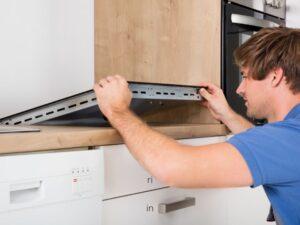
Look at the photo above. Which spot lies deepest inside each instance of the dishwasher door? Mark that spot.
(55, 188)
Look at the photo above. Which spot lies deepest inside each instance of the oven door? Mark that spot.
(239, 24)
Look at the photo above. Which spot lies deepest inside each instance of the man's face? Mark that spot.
(255, 94)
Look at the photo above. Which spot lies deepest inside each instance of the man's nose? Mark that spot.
(241, 89)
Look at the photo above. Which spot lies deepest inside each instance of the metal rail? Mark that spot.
(88, 99)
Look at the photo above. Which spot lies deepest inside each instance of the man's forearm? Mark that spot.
(153, 150)
(236, 123)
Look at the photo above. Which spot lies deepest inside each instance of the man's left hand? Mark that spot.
(113, 95)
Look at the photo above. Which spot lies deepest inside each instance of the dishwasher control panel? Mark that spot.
(82, 180)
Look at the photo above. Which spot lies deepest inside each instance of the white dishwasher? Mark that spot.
(53, 188)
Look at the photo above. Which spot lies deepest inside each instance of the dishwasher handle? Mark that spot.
(25, 192)
(25, 185)
(164, 208)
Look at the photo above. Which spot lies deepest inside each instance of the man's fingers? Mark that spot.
(211, 87)
(103, 82)
(110, 79)
(205, 94)
(121, 79)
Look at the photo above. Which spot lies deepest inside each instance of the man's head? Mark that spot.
(269, 62)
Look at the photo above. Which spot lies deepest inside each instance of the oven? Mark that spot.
(240, 20)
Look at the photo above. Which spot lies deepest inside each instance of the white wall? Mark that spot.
(293, 13)
(46, 51)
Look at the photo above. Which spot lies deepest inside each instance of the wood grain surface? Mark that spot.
(160, 41)
(61, 138)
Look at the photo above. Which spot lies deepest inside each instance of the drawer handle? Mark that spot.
(169, 207)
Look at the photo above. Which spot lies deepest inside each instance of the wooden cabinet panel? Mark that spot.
(184, 113)
(159, 41)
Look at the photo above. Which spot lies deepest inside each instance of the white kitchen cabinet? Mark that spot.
(247, 206)
(123, 174)
(142, 209)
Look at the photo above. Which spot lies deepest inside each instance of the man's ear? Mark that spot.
(277, 76)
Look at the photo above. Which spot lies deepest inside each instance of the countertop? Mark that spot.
(62, 137)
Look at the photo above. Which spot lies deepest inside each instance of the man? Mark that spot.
(268, 155)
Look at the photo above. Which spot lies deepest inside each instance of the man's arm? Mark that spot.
(217, 165)
(217, 104)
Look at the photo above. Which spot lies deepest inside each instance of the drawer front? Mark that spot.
(209, 208)
(230, 206)
(123, 174)
(247, 206)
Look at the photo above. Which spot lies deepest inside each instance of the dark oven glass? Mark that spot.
(238, 25)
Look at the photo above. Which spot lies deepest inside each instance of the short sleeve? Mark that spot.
(269, 153)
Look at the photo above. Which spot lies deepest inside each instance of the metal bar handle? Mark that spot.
(164, 208)
(252, 21)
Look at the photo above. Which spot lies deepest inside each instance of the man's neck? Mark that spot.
(282, 106)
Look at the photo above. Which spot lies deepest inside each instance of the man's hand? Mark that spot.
(217, 104)
(215, 101)
(113, 96)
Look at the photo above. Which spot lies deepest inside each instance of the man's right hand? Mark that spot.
(215, 101)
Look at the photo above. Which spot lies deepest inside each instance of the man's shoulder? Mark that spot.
(284, 126)
(272, 133)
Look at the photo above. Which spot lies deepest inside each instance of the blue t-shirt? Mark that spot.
(272, 153)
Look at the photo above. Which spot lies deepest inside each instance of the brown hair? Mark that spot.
(272, 48)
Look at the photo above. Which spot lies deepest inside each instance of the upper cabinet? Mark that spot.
(158, 41)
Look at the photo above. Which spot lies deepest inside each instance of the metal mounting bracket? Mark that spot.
(85, 100)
